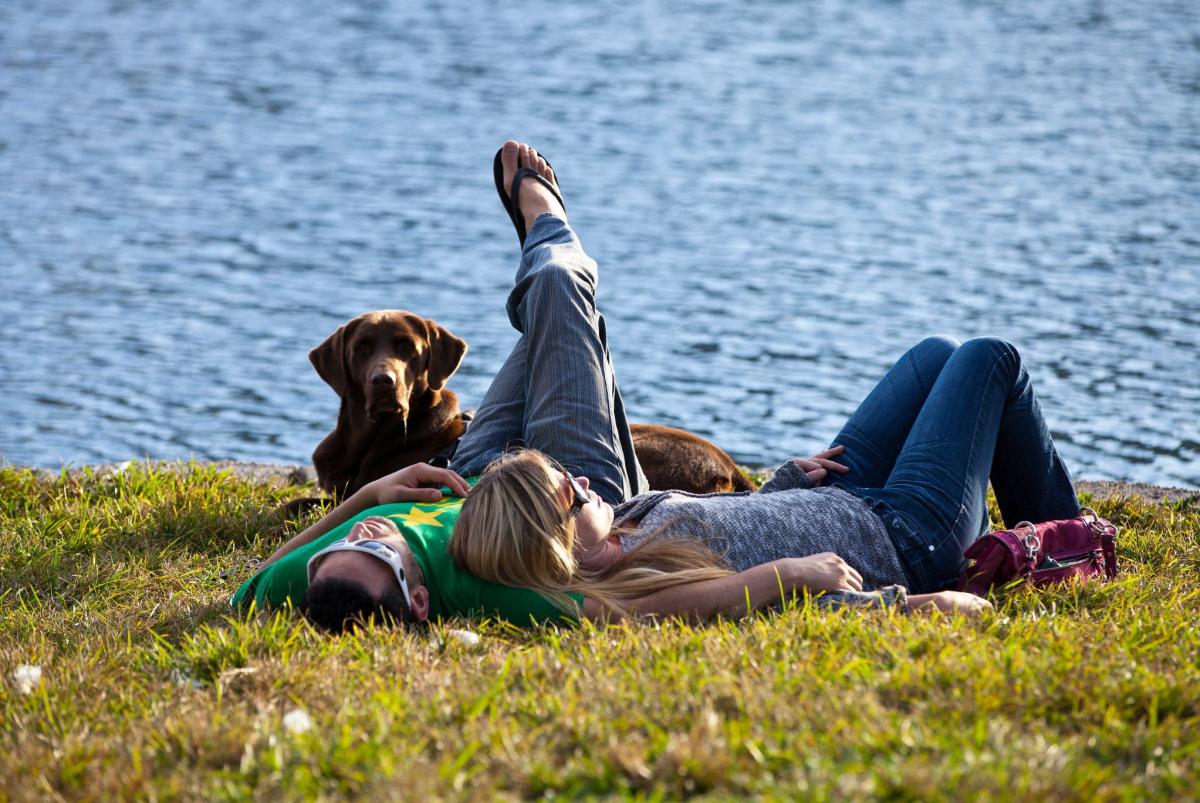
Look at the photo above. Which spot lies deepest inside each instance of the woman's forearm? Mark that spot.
(350, 507)
(756, 587)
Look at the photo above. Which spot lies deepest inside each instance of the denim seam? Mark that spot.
(962, 507)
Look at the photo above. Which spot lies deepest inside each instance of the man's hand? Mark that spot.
(821, 572)
(819, 465)
(404, 485)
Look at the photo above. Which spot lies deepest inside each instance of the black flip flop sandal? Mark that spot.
(508, 199)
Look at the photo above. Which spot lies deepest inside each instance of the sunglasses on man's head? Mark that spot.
(579, 495)
(376, 549)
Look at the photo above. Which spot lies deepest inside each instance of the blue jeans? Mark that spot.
(557, 391)
(923, 445)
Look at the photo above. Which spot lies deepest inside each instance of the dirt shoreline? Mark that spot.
(298, 474)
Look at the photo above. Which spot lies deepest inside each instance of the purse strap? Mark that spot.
(1105, 532)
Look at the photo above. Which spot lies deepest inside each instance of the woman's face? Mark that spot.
(594, 519)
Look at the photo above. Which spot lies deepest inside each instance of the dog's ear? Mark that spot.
(445, 354)
(331, 360)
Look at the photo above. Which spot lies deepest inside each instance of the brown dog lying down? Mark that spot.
(676, 460)
(390, 369)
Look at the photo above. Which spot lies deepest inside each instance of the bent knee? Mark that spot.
(554, 281)
(994, 349)
(941, 346)
(994, 345)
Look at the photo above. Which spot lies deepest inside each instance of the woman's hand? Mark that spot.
(404, 485)
(824, 571)
(818, 466)
(950, 601)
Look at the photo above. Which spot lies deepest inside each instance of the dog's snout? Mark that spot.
(383, 379)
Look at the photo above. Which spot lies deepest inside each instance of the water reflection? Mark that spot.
(781, 196)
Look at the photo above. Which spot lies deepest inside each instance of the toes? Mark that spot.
(515, 154)
(538, 163)
(509, 154)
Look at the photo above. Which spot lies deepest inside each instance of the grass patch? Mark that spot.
(116, 587)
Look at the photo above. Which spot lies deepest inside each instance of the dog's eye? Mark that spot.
(362, 346)
(404, 348)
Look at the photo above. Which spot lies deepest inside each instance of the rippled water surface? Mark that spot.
(782, 197)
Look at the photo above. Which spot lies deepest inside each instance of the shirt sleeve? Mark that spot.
(285, 579)
(894, 596)
(787, 477)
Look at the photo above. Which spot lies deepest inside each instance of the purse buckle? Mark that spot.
(1032, 543)
(1092, 519)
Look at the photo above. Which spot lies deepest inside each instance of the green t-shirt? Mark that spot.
(426, 527)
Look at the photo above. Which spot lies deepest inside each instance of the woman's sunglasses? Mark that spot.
(579, 495)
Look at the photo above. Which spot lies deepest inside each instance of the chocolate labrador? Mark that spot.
(390, 369)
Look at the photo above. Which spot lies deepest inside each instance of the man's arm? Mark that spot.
(350, 507)
(399, 486)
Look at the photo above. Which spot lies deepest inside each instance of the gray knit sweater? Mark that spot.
(787, 517)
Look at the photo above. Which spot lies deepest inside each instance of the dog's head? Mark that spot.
(381, 360)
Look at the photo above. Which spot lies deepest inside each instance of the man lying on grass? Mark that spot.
(383, 554)
(890, 508)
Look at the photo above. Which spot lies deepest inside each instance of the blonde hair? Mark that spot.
(514, 529)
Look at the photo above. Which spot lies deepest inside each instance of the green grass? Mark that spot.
(152, 688)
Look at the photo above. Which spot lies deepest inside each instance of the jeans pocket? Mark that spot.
(934, 557)
(910, 548)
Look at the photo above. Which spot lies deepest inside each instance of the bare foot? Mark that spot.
(534, 199)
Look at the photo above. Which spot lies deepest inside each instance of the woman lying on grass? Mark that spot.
(894, 504)
(564, 527)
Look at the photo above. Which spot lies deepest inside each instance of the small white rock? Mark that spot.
(297, 721)
(464, 636)
(27, 677)
(184, 680)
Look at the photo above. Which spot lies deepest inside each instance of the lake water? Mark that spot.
(782, 196)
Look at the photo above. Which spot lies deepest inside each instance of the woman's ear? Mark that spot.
(420, 602)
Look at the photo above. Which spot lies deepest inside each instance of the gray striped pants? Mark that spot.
(557, 391)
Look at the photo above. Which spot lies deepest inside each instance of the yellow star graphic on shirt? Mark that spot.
(416, 517)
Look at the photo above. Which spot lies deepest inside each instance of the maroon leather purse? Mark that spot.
(1043, 554)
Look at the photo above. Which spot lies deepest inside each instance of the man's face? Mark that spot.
(375, 575)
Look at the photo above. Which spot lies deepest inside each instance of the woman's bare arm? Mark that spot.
(759, 586)
(763, 585)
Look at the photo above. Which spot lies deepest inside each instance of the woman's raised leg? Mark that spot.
(559, 378)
